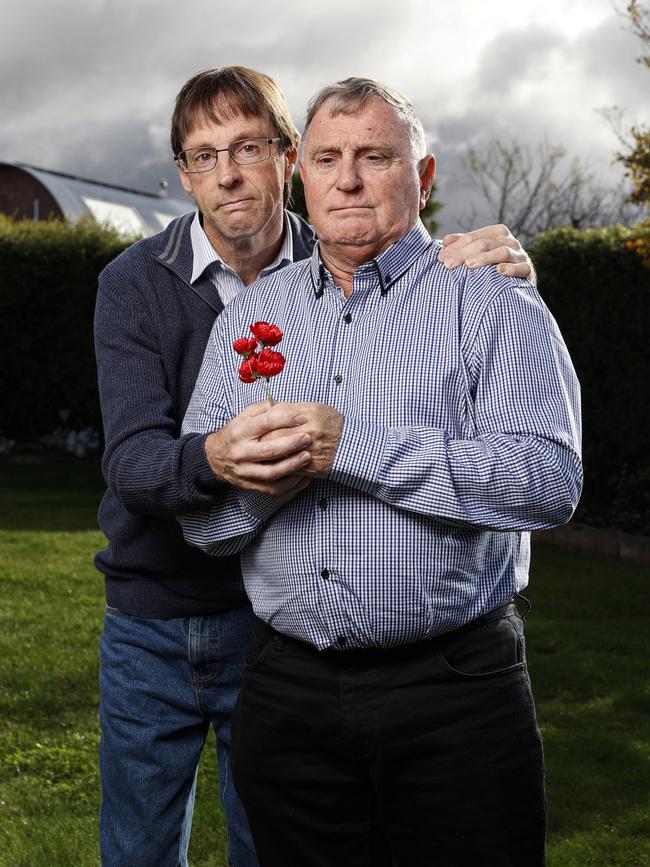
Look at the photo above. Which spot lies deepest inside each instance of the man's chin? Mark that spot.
(348, 229)
(238, 227)
(354, 238)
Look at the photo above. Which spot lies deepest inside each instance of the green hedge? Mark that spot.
(48, 283)
(597, 285)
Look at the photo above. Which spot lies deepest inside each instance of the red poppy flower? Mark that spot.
(269, 363)
(264, 364)
(248, 369)
(266, 333)
(244, 346)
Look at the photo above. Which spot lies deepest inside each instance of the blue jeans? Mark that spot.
(162, 682)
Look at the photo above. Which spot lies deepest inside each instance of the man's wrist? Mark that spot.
(359, 455)
(213, 453)
(208, 467)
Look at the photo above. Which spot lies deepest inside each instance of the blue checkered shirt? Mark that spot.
(461, 433)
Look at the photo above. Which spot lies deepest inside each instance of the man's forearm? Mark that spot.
(156, 474)
(499, 481)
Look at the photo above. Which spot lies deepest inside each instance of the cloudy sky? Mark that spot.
(88, 85)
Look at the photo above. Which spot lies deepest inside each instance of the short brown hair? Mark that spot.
(220, 93)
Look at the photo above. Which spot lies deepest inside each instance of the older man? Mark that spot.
(387, 673)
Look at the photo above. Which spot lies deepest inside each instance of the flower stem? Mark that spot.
(267, 389)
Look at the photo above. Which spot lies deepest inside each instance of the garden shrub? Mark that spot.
(597, 285)
(48, 283)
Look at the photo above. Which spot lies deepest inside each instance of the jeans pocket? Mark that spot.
(489, 650)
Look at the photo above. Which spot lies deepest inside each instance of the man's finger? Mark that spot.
(265, 477)
(457, 251)
(451, 238)
(494, 255)
(459, 245)
(494, 232)
(521, 269)
(255, 408)
(274, 418)
(273, 448)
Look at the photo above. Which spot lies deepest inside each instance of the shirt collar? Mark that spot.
(387, 267)
(204, 254)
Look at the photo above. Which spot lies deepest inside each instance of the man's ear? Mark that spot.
(291, 160)
(427, 172)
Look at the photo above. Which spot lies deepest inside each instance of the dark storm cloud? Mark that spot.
(512, 57)
(88, 86)
(92, 84)
(608, 57)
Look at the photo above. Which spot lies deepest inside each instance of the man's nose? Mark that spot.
(227, 171)
(348, 178)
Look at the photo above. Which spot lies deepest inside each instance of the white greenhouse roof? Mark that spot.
(127, 210)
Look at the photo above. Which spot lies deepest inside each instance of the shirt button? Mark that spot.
(338, 379)
(347, 318)
(325, 574)
(342, 640)
(323, 503)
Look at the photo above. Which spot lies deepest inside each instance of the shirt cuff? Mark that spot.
(359, 455)
(259, 506)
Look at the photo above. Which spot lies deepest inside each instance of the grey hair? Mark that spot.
(347, 97)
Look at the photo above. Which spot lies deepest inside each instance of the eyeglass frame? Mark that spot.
(178, 157)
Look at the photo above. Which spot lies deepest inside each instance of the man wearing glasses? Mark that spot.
(177, 621)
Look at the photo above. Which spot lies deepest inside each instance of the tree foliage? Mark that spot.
(637, 164)
(638, 15)
(636, 156)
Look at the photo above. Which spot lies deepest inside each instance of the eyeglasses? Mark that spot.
(244, 152)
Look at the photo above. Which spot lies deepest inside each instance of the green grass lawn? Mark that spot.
(587, 637)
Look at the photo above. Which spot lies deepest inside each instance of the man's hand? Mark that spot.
(323, 424)
(263, 449)
(491, 245)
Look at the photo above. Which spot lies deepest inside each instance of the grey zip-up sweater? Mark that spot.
(151, 328)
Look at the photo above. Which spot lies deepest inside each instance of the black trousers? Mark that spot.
(426, 755)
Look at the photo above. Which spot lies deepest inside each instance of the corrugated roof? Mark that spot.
(131, 211)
